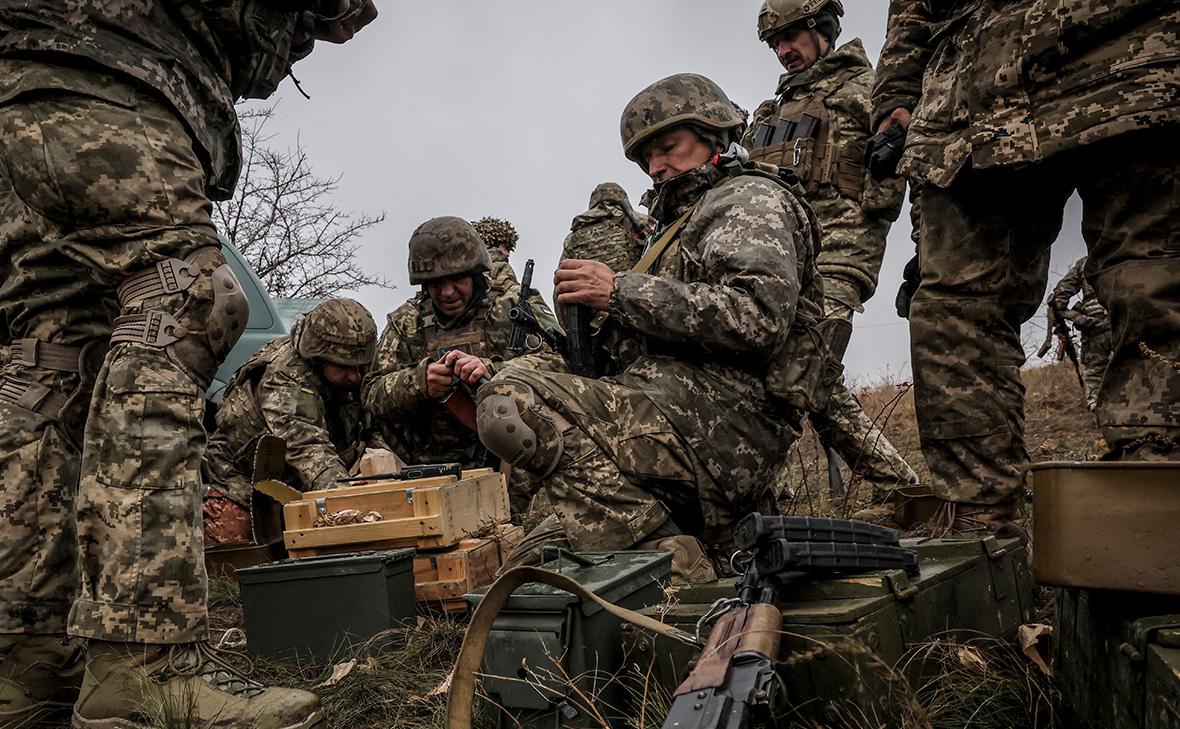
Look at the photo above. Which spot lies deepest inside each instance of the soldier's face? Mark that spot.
(798, 48)
(348, 378)
(675, 152)
(452, 294)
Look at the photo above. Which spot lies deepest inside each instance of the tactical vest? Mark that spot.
(816, 161)
(471, 337)
(802, 373)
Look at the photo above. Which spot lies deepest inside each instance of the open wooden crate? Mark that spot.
(429, 513)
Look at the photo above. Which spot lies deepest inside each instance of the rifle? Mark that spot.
(410, 473)
(883, 152)
(579, 351)
(733, 683)
(522, 317)
(1056, 327)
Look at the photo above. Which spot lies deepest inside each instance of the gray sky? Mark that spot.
(511, 108)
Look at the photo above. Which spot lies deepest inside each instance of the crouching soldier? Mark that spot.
(305, 389)
(685, 441)
(412, 389)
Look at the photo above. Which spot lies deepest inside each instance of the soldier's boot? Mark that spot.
(956, 519)
(690, 564)
(39, 679)
(133, 685)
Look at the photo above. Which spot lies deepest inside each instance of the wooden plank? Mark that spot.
(359, 533)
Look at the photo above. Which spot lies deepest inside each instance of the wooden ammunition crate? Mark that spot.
(442, 578)
(429, 513)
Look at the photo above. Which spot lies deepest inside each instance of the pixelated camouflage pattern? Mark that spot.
(858, 440)
(446, 246)
(192, 53)
(416, 425)
(604, 233)
(131, 201)
(341, 331)
(1091, 320)
(279, 392)
(854, 210)
(776, 15)
(607, 192)
(1003, 84)
(501, 273)
(685, 98)
(985, 257)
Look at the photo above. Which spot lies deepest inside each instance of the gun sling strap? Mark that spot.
(462, 694)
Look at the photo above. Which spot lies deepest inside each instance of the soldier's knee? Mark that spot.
(518, 427)
(194, 309)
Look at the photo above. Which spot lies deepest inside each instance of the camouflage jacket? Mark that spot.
(854, 209)
(280, 393)
(1088, 315)
(603, 233)
(502, 274)
(713, 314)
(200, 56)
(1006, 83)
(395, 391)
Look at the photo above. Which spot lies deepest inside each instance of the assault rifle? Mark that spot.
(410, 473)
(733, 684)
(525, 322)
(1056, 327)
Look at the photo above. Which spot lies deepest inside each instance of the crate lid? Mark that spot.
(329, 565)
(611, 575)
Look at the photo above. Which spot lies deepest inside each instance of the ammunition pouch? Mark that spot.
(809, 364)
(210, 311)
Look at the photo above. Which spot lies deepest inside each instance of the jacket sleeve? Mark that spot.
(1069, 286)
(903, 59)
(748, 242)
(294, 411)
(397, 385)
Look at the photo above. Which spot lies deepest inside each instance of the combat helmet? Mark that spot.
(340, 331)
(686, 98)
(446, 246)
(611, 192)
(497, 232)
(822, 16)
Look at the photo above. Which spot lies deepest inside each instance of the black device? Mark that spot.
(409, 473)
(579, 351)
(883, 152)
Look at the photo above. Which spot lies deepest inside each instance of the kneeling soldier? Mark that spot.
(303, 388)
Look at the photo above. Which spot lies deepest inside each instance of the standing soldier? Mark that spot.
(818, 125)
(459, 309)
(1010, 109)
(610, 231)
(685, 441)
(303, 388)
(117, 128)
(1091, 320)
(501, 238)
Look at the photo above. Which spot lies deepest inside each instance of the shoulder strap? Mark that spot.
(462, 693)
(657, 249)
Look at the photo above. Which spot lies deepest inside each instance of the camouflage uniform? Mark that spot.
(1017, 105)
(415, 423)
(855, 212)
(281, 392)
(1093, 323)
(609, 231)
(499, 234)
(117, 126)
(689, 432)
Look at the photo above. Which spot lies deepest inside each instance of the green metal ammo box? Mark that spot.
(317, 607)
(544, 637)
(1117, 658)
(843, 635)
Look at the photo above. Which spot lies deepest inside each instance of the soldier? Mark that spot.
(305, 389)
(1092, 322)
(117, 128)
(610, 231)
(1010, 108)
(501, 238)
(459, 308)
(685, 440)
(823, 97)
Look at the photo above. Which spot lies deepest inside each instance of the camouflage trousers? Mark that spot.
(100, 444)
(1093, 357)
(985, 260)
(860, 442)
(607, 464)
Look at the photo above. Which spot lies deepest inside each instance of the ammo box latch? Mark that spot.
(1163, 629)
(899, 583)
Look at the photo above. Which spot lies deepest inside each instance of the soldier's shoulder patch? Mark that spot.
(308, 390)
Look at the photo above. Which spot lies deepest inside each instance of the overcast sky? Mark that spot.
(511, 108)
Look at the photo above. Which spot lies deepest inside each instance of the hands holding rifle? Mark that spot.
(584, 282)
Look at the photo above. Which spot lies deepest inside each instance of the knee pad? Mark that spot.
(515, 425)
(194, 309)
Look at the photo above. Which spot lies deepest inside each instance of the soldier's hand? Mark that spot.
(584, 282)
(438, 380)
(900, 116)
(467, 367)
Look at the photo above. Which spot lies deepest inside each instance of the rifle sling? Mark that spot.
(657, 249)
(462, 693)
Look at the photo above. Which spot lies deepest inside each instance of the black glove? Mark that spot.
(911, 276)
